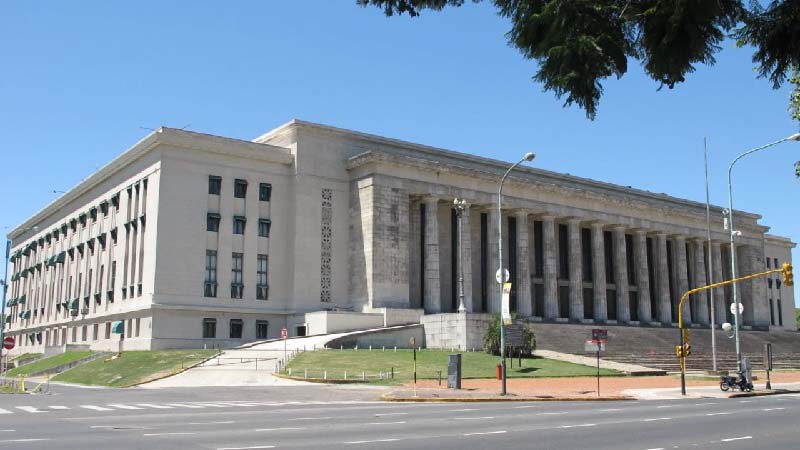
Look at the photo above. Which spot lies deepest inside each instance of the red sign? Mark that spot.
(284, 333)
(8, 342)
(599, 335)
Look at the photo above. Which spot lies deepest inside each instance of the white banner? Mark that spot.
(506, 304)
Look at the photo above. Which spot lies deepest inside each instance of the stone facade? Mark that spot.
(310, 218)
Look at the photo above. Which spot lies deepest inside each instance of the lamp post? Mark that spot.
(460, 205)
(528, 157)
(710, 263)
(736, 312)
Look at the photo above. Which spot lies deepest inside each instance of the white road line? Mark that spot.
(463, 410)
(121, 406)
(24, 440)
(102, 426)
(472, 418)
(610, 410)
(7, 431)
(577, 426)
(4, 411)
(30, 409)
(182, 433)
(745, 401)
(485, 432)
(718, 414)
(666, 406)
(246, 448)
(212, 423)
(385, 423)
(526, 406)
(59, 408)
(280, 429)
(150, 405)
(215, 405)
(369, 442)
(704, 404)
(660, 418)
(95, 408)
(552, 414)
(310, 418)
(391, 414)
(772, 409)
(659, 448)
(736, 439)
(181, 405)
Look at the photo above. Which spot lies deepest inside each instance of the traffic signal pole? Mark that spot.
(684, 349)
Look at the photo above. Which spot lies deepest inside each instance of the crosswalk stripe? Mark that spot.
(59, 408)
(181, 405)
(214, 405)
(30, 409)
(96, 408)
(4, 411)
(120, 406)
(150, 405)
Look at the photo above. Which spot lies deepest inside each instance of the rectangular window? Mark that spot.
(776, 262)
(264, 226)
(262, 288)
(212, 222)
(240, 188)
(236, 329)
(209, 328)
(93, 214)
(768, 266)
(237, 267)
(262, 327)
(210, 289)
(238, 224)
(214, 184)
(264, 192)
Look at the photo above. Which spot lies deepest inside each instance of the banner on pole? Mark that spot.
(506, 302)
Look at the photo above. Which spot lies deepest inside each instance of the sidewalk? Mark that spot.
(583, 388)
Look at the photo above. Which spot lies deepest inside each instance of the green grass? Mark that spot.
(133, 367)
(5, 389)
(25, 356)
(473, 365)
(47, 363)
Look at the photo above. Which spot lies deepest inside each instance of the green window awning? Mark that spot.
(15, 277)
(25, 315)
(8, 319)
(118, 327)
(11, 302)
(60, 257)
(74, 303)
(21, 300)
(24, 273)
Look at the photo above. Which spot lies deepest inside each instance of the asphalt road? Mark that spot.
(346, 418)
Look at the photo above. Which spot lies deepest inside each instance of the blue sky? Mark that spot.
(78, 81)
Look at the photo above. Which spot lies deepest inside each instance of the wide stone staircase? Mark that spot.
(655, 346)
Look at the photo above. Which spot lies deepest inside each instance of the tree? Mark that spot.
(579, 43)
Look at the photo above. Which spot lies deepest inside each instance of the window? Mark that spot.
(262, 326)
(776, 262)
(93, 214)
(264, 192)
(214, 184)
(262, 289)
(769, 282)
(209, 328)
(236, 275)
(111, 281)
(240, 188)
(263, 227)
(212, 222)
(211, 274)
(768, 263)
(238, 224)
(236, 329)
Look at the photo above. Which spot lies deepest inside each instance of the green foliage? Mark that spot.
(774, 32)
(797, 314)
(491, 339)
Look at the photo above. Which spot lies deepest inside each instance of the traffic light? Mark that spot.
(788, 276)
(678, 351)
(687, 350)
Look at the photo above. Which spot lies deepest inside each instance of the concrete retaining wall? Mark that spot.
(389, 338)
(456, 330)
(326, 322)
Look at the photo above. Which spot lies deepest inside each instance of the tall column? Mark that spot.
(701, 298)
(524, 305)
(662, 278)
(756, 309)
(432, 295)
(550, 268)
(621, 275)
(491, 284)
(683, 276)
(599, 273)
(642, 276)
(721, 305)
(465, 258)
(575, 271)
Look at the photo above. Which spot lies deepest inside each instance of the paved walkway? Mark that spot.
(630, 369)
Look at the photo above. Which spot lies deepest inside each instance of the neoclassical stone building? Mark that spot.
(192, 239)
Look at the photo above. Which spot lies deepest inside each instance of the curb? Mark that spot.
(764, 393)
(388, 398)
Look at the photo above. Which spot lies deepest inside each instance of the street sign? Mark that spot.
(8, 342)
(284, 333)
(506, 276)
(599, 335)
(594, 346)
(506, 309)
(515, 335)
(733, 308)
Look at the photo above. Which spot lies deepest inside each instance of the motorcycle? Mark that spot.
(734, 383)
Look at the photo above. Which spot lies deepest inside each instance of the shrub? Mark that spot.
(491, 340)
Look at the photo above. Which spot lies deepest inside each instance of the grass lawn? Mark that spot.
(473, 365)
(25, 356)
(47, 363)
(133, 367)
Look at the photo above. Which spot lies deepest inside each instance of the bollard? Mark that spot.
(356, 348)
(290, 371)
(440, 377)
(383, 348)
(363, 375)
(22, 384)
(370, 348)
(345, 375)
(341, 347)
(325, 375)
(305, 373)
(393, 373)
(395, 349)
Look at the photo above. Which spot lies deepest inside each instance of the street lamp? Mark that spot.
(460, 205)
(733, 232)
(501, 271)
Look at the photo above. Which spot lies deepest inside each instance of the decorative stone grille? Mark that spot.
(325, 252)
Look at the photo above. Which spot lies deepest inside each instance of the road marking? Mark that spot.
(215, 405)
(610, 410)
(736, 439)
(167, 434)
(150, 405)
(311, 418)
(24, 440)
(385, 423)
(391, 414)
(704, 404)
(463, 410)
(102, 426)
(576, 426)
(4, 411)
(665, 406)
(472, 418)
(485, 432)
(246, 448)
(181, 405)
(660, 418)
(772, 409)
(7, 431)
(718, 414)
(212, 423)
(280, 429)
(526, 406)
(95, 408)
(659, 448)
(59, 408)
(120, 406)
(369, 442)
(552, 414)
(30, 409)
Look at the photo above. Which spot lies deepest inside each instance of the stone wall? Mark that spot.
(455, 330)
